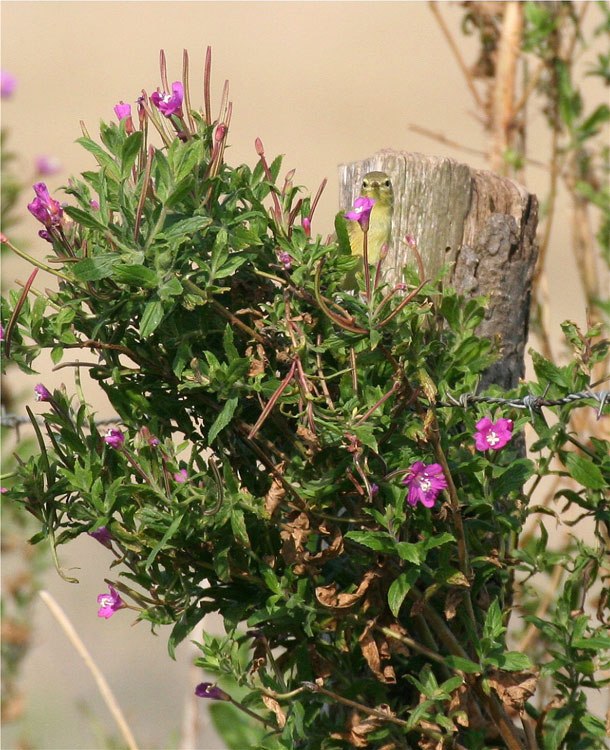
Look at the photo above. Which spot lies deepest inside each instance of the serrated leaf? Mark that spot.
(102, 157)
(151, 317)
(378, 541)
(95, 268)
(585, 472)
(400, 588)
(135, 275)
(463, 665)
(514, 477)
(514, 661)
(410, 552)
(223, 419)
(85, 219)
(129, 152)
(187, 227)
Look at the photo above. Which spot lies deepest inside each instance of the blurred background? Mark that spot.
(322, 83)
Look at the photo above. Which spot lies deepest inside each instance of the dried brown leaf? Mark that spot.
(310, 439)
(274, 706)
(375, 649)
(327, 595)
(513, 688)
(276, 492)
(452, 602)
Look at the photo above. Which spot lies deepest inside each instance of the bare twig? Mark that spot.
(99, 678)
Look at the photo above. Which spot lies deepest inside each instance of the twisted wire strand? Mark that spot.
(530, 402)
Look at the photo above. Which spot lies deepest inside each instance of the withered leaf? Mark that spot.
(513, 688)
(327, 595)
(452, 602)
(375, 650)
(276, 492)
(310, 439)
(358, 728)
(274, 706)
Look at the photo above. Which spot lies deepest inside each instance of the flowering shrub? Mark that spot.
(360, 541)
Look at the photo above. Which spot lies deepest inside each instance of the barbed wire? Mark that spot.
(530, 402)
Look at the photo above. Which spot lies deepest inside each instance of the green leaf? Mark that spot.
(410, 552)
(514, 661)
(596, 642)
(514, 477)
(186, 227)
(171, 530)
(136, 275)
(151, 317)
(585, 472)
(95, 268)
(342, 235)
(379, 541)
(85, 219)
(183, 627)
(129, 152)
(462, 665)
(223, 419)
(400, 588)
(102, 157)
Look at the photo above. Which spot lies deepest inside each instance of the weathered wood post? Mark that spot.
(481, 223)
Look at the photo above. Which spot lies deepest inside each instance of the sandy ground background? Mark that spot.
(322, 83)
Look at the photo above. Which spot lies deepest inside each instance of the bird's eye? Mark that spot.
(387, 183)
(365, 183)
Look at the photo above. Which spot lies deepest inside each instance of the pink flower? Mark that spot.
(109, 603)
(425, 483)
(8, 84)
(207, 690)
(181, 476)
(169, 104)
(493, 435)
(122, 110)
(47, 165)
(114, 438)
(285, 260)
(47, 210)
(306, 224)
(41, 393)
(103, 536)
(94, 205)
(361, 212)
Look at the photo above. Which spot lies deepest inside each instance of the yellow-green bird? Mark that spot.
(376, 185)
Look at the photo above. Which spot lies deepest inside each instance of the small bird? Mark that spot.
(376, 185)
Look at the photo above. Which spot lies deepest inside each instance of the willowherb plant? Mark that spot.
(279, 456)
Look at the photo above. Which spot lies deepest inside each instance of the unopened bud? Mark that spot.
(258, 145)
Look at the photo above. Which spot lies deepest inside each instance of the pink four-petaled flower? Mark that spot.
(492, 435)
(208, 690)
(169, 104)
(47, 210)
(109, 603)
(41, 393)
(361, 212)
(425, 483)
(114, 438)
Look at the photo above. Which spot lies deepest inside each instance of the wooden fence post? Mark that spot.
(481, 223)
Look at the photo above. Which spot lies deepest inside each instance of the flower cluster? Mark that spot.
(426, 482)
